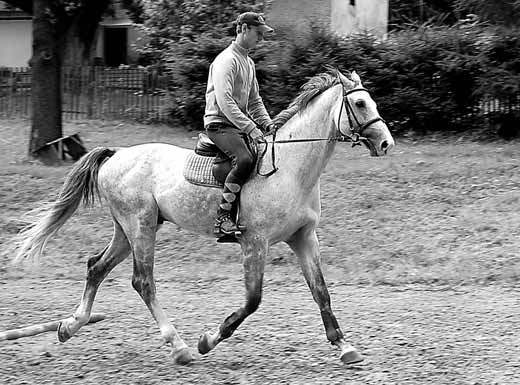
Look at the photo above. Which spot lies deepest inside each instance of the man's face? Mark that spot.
(252, 36)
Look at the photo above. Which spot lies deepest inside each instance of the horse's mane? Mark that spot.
(312, 88)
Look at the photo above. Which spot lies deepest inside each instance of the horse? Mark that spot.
(143, 186)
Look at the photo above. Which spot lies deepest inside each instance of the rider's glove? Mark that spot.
(272, 127)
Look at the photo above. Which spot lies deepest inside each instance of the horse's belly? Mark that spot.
(191, 207)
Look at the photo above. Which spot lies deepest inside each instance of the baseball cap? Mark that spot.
(253, 18)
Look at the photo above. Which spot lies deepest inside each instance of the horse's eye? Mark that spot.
(360, 103)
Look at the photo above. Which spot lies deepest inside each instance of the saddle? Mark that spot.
(207, 165)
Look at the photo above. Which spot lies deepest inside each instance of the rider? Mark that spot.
(235, 111)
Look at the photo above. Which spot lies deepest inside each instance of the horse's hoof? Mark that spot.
(204, 346)
(64, 333)
(182, 356)
(351, 357)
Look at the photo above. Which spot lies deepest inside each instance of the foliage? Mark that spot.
(503, 12)
(406, 13)
(420, 79)
(188, 71)
(499, 50)
(432, 78)
(429, 78)
(184, 36)
(135, 9)
(168, 22)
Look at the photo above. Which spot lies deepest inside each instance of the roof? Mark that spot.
(14, 15)
(8, 12)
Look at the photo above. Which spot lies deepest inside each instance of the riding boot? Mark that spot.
(225, 224)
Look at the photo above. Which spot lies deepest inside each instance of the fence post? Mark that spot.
(11, 92)
(91, 74)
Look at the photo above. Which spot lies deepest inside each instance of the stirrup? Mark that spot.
(224, 238)
(224, 225)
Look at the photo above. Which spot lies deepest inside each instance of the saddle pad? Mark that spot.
(197, 170)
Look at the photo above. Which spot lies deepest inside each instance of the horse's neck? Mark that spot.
(308, 159)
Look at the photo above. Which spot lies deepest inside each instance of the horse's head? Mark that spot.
(359, 118)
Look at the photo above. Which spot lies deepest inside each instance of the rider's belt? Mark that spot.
(218, 125)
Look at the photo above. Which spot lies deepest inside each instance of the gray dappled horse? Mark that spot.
(144, 185)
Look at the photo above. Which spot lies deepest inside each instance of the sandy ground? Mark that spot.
(420, 253)
(409, 334)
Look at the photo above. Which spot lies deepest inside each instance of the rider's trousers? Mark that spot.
(232, 142)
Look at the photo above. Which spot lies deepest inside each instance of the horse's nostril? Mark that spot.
(384, 145)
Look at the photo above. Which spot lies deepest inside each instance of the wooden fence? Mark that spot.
(92, 93)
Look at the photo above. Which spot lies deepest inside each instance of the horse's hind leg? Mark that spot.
(305, 244)
(254, 262)
(141, 233)
(98, 268)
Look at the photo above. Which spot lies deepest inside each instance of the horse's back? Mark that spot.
(151, 175)
(140, 167)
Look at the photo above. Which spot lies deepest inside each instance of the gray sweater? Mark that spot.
(232, 92)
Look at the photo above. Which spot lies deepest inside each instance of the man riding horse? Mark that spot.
(235, 112)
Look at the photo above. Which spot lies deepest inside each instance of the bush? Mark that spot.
(430, 79)
(187, 64)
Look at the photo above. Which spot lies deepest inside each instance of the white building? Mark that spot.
(341, 16)
(15, 38)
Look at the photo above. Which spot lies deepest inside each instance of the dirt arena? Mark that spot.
(420, 250)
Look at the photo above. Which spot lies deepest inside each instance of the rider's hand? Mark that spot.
(272, 127)
(256, 135)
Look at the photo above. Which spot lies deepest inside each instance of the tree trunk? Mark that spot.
(46, 82)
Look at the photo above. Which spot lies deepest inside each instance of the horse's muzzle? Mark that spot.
(379, 140)
(386, 146)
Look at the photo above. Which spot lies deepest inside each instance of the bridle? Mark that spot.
(355, 136)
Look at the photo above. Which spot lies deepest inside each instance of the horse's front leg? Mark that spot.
(306, 246)
(254, 261)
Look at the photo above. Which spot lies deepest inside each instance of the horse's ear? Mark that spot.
(347, 82)
(355, 78)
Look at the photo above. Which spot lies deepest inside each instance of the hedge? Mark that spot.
(430, 79)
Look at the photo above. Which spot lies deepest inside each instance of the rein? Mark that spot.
(355, 137)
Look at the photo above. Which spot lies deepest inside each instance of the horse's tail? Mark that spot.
(81, 184)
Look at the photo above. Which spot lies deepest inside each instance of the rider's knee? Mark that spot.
(245, 165)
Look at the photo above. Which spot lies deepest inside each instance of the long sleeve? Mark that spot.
(224, 74)
(256, 105)
(232, 95)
